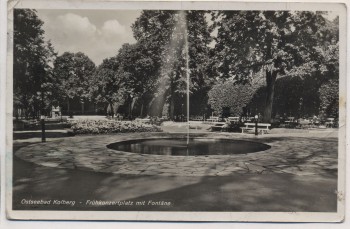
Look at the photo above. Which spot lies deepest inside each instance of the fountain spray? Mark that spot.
(188, 80)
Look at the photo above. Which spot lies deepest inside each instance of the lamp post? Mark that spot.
(42, 116)
(256, 124)
(130, 106)
(42, 121)
(182, 112)
(82, 106)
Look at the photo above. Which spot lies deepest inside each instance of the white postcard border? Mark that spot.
(180, 216)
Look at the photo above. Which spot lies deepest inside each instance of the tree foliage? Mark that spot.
(32, 77)
(73, 74)
(329, 96)
(136, 62)
(231, 95)
(297, 52)
(276, 42)
(163, 34)
(294, 96)
(108, 84)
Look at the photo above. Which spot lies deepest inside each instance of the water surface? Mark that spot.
(196, 147)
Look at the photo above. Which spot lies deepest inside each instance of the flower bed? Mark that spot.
(107, 127)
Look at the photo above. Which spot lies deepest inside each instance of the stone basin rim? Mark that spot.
(170, 136)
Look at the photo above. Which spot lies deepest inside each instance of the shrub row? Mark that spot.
(107, 126)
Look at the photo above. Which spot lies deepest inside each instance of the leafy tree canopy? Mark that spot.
(73, 74)
(32, 77)
(276, 42)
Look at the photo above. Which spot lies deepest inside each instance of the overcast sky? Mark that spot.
(98, 34)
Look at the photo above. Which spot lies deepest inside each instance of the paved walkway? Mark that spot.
(298, 174)
(299, 154)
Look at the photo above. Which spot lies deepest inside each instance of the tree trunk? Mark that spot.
(141, 112)
(111, 109)
(133, 104)
(130, 111)
(172, 107)
(82, 108)
(149, 107)
(270, 90)
(115, 108)
(172, 101)
(68, 106)
(16, 112)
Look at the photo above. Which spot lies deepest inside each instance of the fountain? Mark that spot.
(180, 145)
(183, 16)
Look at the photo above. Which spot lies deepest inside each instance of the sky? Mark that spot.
(98, 34)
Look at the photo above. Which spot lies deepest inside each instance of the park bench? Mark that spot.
(212, 119)
(305, 123)
(263, 128)
(218, 126)
(248, 119)
(232, 119)
(291, 122)
(118, 118)
(143, 120)
(330, 122)
(31, 123)
(196, 118)
(164, 118)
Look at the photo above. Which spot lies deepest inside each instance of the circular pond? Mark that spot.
(196, 146)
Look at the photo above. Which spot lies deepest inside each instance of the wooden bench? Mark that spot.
(291, 122)
(212, 119)
(304, 123)
(263, 128)
(232, 119)
(218, 126)
(143, 120)
(247, 119)
(196, 118)
(330, 122)
(31, 123)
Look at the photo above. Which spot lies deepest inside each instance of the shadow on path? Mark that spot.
(273, 192)
(37, 134)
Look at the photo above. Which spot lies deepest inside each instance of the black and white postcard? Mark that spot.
(176, 111)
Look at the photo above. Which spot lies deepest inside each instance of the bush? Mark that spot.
(232, 95)
(329, 96)
(107, 127)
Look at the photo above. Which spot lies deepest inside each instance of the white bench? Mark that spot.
(196, 118)
(218, 126)
(143, 120)
(330, 122)
(263, 128)
(232, 119)
(304, 123)
(212, 119)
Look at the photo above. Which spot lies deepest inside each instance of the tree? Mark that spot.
(329, 91)
(127, 77)
(73, 73)
(136, 63)
(231, 95)
(329, 96)
(277, 42)
(294, 96)
(31, 64)
(162, 34)
(108, 84)
(154, 31)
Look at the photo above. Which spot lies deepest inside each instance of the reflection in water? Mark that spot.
(178, 146)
